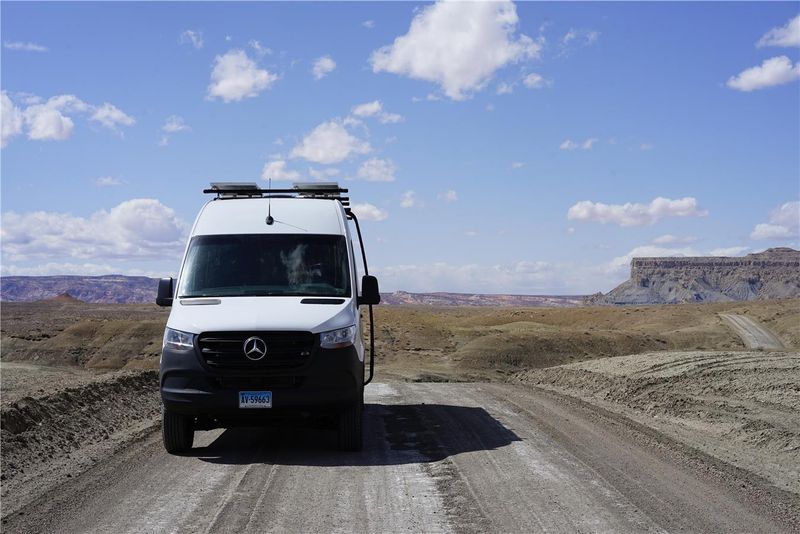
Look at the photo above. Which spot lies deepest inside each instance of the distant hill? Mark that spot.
(772, 274)
(141, 289)
(64, 297)
(109, 288)
(400, 298)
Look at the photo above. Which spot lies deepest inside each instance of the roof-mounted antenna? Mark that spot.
(270, 220)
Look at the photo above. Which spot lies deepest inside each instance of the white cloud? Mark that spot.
(141, 228)
(458, 45)
(635, 214)
(504, 88)
(259, 48)
(774, 71)
(788, 35)
(322, 67)
(329, 143)
(276, 169)
(27, 98)
(771, 231)
(517, 165)
(728, 251)
(68, 104)
(409, 199)
(448, 196)
(12, 119)
(174, 124)
(24, 47)
(471, 233)
(669, 239)
(45, 123)
(375, 109)
(390, 118)
(67, 268)
(646, 146)
(50, 120)
(368, 109)
(576, 38)
(235, 77)
(111, 117)
(351, 121)
(784, 223)
(535, 81)
(106, 181)
(569, 144)
(368, 212)
(377, 170)
(322, 175)
(521, 277)
(192, 37)
(368, 24)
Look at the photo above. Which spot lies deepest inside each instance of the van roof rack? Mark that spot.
(329, 190)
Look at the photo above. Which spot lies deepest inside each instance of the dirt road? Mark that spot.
(438, 458)
(754, 335)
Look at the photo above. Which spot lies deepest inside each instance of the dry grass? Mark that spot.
(412, 342)
(487, 342)
(94, 336)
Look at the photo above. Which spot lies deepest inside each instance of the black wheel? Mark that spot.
(178, 432)
(350, 427)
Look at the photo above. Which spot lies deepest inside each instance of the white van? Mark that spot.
(265, 320)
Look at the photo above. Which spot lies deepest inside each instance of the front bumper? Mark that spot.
(327, 382)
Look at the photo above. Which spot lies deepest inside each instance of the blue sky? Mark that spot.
(523, 148)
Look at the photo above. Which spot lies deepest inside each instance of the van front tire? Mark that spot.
(177, 431)
(351, 428)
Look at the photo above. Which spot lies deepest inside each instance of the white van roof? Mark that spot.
(292, 216)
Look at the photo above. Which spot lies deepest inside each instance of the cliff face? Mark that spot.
(772, 274)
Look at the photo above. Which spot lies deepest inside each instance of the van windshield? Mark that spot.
(266, 265)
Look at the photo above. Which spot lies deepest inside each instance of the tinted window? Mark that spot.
(266, 265)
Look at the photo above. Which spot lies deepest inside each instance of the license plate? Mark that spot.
(255, 399)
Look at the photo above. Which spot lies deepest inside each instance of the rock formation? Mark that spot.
(772, 274)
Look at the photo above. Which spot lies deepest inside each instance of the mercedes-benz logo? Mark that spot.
(255, 348)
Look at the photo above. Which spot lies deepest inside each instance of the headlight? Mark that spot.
(177, 340)
(338, 339)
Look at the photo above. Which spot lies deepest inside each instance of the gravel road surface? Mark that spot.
(754, 335)
(438, 458)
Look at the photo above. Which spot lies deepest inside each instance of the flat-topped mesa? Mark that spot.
(774, 257)
(772, 274)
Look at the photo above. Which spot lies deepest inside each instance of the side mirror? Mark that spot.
(165, 292)
(369, 291)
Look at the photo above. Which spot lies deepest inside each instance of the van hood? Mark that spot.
(258, 313)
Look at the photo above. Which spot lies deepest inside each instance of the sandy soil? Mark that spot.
(740, 407)
(463, 458)
(21, 379)
(56, 423)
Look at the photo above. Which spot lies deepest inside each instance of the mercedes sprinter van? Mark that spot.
(265, 320)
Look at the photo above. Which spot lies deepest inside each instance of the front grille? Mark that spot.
(285, 350)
